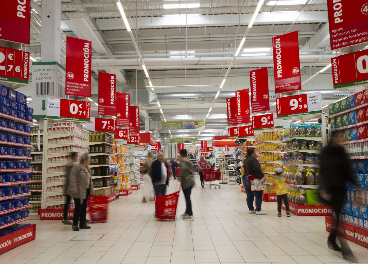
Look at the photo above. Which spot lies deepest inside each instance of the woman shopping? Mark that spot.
(253, 179)
(148, 187)
(80, 187)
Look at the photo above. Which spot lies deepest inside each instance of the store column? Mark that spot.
(50, 32)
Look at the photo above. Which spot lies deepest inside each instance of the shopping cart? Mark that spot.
(211, 175)
(98, 208)
(166, 205)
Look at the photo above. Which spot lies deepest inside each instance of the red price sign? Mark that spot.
(292, 105)
(75, 109)
(14, 65)
(134, 140)
(105, 125)
(246, 131)
(233, 131)
(122, 134)
(263, 121)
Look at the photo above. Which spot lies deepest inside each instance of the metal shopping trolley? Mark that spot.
(98, 208)
(167, 205)
(211, 175)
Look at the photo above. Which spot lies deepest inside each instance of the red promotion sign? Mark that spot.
(233, 131)
(134, 125)
(156, 147)
(15, 21)
(122, 109)
(263, 121)
(75, 109)
(299, 104)
(121, 134)
(14, 65)
(348, 22)
(134, 140)
(78, 67)
(246, 131)
(16, 238)
(350, 69)
(231, 111)
(106, 94)
(204, 146)
(180, 146)
(260, 98)
(286, 63)
(209, 149)
(147, 138)
(105, 125)
(242, 106)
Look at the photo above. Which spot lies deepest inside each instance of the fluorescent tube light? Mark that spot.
(240, 47)
(150, 83)
(326, 68)
(161, 111)
(90, 99)
(32, 59)
(122, 13)
(145, 70)
(258, 8)
(209, 111)
(217, 94)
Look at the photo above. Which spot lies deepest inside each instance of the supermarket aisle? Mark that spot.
(223, 232)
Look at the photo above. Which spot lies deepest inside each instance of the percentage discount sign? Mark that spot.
(263, 121)
(291, 105)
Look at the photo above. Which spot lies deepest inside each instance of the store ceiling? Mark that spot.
(188, 50)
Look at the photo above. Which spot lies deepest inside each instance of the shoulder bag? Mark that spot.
(256, 185)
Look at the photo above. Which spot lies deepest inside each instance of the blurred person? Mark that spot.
(73, 160)
(159, 175)
(147, 181)
(202, 164)
(252, 171)
(335, 171)
(174, 165)
(213, 161)
(187, 182)
(80, 187)
(280, 185)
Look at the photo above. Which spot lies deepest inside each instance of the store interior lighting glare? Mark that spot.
(122, 13)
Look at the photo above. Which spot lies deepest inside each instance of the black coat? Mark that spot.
(251, 165)
(156, 172)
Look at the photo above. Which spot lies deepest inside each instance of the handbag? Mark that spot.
(256, 185)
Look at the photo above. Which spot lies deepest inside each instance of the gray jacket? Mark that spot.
(186, 174)
(67, 174)
(78, 182)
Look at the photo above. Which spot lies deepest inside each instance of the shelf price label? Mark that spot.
(246, 131)
(263, 121)
(14, 65)
(122, 134)
(104, 125)
(75, 109)
(299, 105)
(134, 140)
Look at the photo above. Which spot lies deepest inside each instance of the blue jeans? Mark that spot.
(251, 195)
(159, 189)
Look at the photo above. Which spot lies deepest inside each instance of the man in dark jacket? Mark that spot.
(159, 175)
(73, 161)
(187, 182)
(335, 171)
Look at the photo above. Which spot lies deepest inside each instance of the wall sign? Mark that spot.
(260, 97)
(121, 134)
(299, 105)
(350, 69)
(14, 65)
(106, 94)
(80, 110)
(231, 106)
(134, 124)
(15, 21)
(263, 121)
(104, 124)
(246, 131)
(286, 63)
(242, 106)
(122, 109)
(347, 22)
(78, 67)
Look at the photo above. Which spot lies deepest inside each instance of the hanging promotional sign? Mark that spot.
(263, 121)
(79, 110)
(15, 21)
(121, 134)
(233, 131)
(104, 125)
(204, 146)
(246, 131)
(231, 106)
(122, 109)
(134, 125)
(106, 94)
(242, 106)
(180, 146)
(147, 138)
(156, 147)
(14, 65)
(260, 97)
(350, 69)
(134, 139)
(347, 22)
(303, 104)
(78, 67)
(286, 63)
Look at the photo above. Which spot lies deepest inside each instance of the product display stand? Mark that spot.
(36, 173)
(125, 160)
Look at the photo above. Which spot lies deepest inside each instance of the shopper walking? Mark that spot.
(280, 185)
(80, 187)
(253, 174)
(174, 165)
(147, 181)
(202, 164)
(187, 183)
(334, 173)
(159, 175)
(73, 160)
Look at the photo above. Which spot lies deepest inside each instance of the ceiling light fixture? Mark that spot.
(317, 73)
(150, 83)
(240, 47)
(222, 84)
(258, 8)
(161, 111)
(209, 111)
(145, 70)
(217, 94)
(158, 103)
(32, 59)
(90, 99)
(122, 13)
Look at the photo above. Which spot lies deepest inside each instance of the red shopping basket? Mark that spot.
(177, 171)
(98, 208)
(166, 205)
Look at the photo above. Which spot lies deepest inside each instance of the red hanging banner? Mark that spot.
(75, 109)
(134, 125)
(180, 146)
(242, 106)
(122, 109)
(156, 147)
(231, 111)
(14, 65)
(263, 121)
(347, 22)
(15, 21)
(260, 97)
(134, 139)
(286, 63)
(105, 125)
(233, 131)
(246, 131)
(122, 134)
(204, 146)
(106, 94)
(78, 67)
(310, 103)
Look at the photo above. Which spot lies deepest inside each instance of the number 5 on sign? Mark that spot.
(104, 124)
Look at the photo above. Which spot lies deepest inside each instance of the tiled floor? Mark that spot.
(223, 232)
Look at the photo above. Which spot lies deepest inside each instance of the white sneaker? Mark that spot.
(252, 212)
(260, 213)
(184, 215)
(188, 217)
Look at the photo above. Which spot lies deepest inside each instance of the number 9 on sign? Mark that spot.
(294, 104)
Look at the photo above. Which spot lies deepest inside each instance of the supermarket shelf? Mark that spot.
(98, 165)
(268, 141)
(15, 144)
(51, 193)
(15, 131)
(304, 150)
(273, 162)
(100, 188)
(34, 202)
(15, 209)
(36, 191)
(35, 181)
(15, 157)
(315, 187)
(99, 143)
(14, 196)
(303, 164)
(35, 144)
(99, 154)
(36, 162)
(269, 172)
(56, 173)
(66, 145)
(355, 141)
(359, 157)
(270, 151)
(56, 136)
(50, 165)
(349, 110)
(37, 153)
(36, 172)
(55, 202)
(33, 213)
(14, 183)
(95, 177)
(54, 183)
(304, 138)
(16, 170)
(19, 120)
(15, 222)
(350, 126)
(54, 155)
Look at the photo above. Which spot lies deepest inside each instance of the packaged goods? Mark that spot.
(363, 212)
(339, 121)
(352, 118)
(361, 115)
(355, 210)
(354, 133)
(362, 132)
(351, 102)
(359, 98)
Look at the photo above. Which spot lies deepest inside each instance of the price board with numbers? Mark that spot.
(104, 125)
(246, 131)
(80, 110)
(122, 134)
(134, 139)
(263, 121)
(233, 132)
(303, 104)
(14, 65)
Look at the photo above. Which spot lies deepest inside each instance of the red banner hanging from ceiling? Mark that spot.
(134, 124)
(242, 106)
(231, 106)
(260, 97)
(122, 109)
(263, 121)
(104, 124)
(204, 146)
(106, 94)
(246, 131)
(233, 131)
(14, 65)
(286, 63)
(75, 109)
(78, 67)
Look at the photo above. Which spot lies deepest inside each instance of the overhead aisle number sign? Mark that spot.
(133, 140)
(14, 65)
(303, 104)
(122, 134)
(233, 131)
